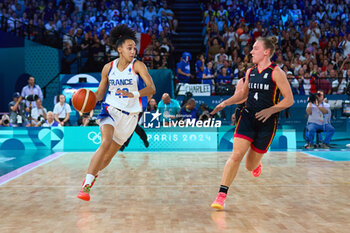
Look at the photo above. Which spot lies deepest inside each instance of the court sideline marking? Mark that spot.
(315, 156)
(27, 168)
(337, 156)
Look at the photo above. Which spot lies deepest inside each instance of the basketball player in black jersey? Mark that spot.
(256, 127)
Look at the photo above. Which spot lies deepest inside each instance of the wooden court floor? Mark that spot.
(171, 192)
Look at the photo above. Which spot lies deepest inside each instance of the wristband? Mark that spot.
(136, 94)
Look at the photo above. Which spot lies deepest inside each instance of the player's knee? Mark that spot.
(106, 143)
(236, 157)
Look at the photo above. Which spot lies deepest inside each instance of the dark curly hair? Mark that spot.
(119, 34)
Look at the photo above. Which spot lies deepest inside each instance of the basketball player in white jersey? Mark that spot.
(119, 114)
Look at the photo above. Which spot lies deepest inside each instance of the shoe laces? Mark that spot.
(87, 188)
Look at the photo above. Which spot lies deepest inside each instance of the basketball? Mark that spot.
(84, 100)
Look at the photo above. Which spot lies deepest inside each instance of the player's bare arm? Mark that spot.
(240, 96)
(282, 83)
(150, 88)
(100, 93)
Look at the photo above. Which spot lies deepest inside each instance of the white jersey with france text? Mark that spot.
(123, 80)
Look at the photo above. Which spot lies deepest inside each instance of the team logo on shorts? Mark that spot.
(152, 119)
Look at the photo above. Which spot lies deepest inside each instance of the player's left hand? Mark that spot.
(125, 93)
(264, 114)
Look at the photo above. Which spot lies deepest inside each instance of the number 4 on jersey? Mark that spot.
(256, 96)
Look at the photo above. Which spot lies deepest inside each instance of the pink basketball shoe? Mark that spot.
(257, 171)
(219, 202)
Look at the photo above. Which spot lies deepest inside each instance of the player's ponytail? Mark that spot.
(119, 34)
(269, 43)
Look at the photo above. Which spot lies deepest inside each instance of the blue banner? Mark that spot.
(169, 139)
(162, 139)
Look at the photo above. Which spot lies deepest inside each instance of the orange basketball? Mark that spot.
(84, 100)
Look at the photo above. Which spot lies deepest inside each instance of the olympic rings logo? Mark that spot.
(95, 137)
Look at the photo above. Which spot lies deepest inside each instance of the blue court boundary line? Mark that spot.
(315, 156)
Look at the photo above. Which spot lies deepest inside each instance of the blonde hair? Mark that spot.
(269, 43)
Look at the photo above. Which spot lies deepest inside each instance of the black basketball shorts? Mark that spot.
(258, 133)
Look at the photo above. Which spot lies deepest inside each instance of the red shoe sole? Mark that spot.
(84, 197)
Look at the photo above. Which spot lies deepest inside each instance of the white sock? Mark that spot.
(88, 180)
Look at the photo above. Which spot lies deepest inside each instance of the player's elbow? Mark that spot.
(244, 94)
(290, 101)
(153, 90)
(98, 96)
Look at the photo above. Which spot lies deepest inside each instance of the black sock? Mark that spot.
(223, 189)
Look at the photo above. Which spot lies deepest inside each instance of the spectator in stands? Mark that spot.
(219, 64)
(183, 68)
(158, 62)
(346, 75)
(339, 86)
(233, 119)
(324, 84)
(149, 13)
(152, 105)
(317, 112)
(313, 33)
(221, 53)
(169, 14)
(189, 111)
(294, 84)
(17, 111)
(346, 46)
(229, 36)
(84, 118)
(50, 121)
(209, 75)
(108, 24)
(295, 13)
(31, 89)
(307, 84)
(49, 11)
(345, 66)
(148, 58)
(167, 45)
(5, 121)
(244, 38)
(67, 60)
(38, 113)
(69, 41)
(137, 11)
(200, 65)
(214, 48)
(62, 111)
(169, 108)
(333, 76)
(224, 77)
(205, 112)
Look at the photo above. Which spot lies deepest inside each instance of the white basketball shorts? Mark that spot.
(124, 123)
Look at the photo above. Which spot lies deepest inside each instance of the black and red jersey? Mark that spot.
(263, 91)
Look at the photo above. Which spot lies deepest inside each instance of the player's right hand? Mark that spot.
(218, 108)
